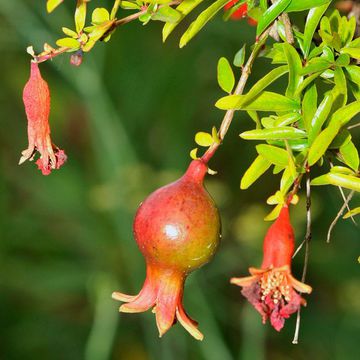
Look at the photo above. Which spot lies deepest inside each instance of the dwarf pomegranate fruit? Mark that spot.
(177, 229)
(272, 290)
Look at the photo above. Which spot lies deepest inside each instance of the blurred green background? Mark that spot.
(126, 119)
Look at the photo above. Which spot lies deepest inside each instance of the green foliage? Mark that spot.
(225, 75)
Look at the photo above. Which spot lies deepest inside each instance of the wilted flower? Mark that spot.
(36, 97)
(272, 290)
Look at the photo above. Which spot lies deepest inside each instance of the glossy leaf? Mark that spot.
(287, 180)
(352, 212)
(301, 5)
(316, 65)
(239, 58)
(345, 181)
(80, 15)
(322, 142)
(99, 15)
(225, 75)
(350, 155)
(256, 169)
(184, 9)
(167, 14)
(353, 52)
(312, 21)
(320, 117)
(266, 101)
(69, 32)
(201, 21)
(275, 155)
(287, 119)
(295, 67)
(352, 72)
(271, 14)
(346, 113)
(278, 133)
(68, 42)
(274, 213)
(203, 139)
(51, 5)
(309, 105)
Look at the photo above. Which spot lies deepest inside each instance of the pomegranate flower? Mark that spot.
(240, 13)
(272, 290)
(177, 229)
(36, 97)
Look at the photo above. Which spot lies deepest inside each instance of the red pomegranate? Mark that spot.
(177, 229)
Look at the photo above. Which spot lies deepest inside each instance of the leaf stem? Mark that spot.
(229, 115)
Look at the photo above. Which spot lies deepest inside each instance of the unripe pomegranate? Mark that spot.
(272, 289)
(177, 229)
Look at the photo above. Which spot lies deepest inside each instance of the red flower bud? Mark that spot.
(272, 290)
(36, 97)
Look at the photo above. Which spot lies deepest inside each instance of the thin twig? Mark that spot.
(228, 117)
(307, 249)
(353, 126)
(288, 28)
(332, 225)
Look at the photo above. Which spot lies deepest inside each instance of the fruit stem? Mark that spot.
(229, 115)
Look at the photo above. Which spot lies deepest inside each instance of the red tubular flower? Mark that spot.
(272, 290)
(177, 229)
(36, 97)
(240, 13)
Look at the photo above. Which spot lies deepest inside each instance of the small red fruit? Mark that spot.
(177, 229)
(36, 97)
(272, 290)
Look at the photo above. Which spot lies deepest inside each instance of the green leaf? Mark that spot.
(193, 154)
(345, 181)
(271, 14)
(266, 101)
(239, 58)
(350, 155)
(320, 117)
(274, 213)
(99, 15)
(312, 21)
(225, 75)
(301, 5)
(287, 179)
(287, 119)
(322, 142)
(201, 21)
(343, 60)
(352, 213)
(203, 139)
(128, 5)
(275, 155)
(307, 82)
(51, 5)
(278, 133)
(353, 73)
(80, 15)
(69, 32)
(346, 113)
(341, 170)
(295, 67)
(256, 169)
(264, 82)
(309, 105)
(353, 52)
(184, 9)
(167, 14)
(68, 42)
(316, 65)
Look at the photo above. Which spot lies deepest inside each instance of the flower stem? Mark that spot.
(229, 115)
